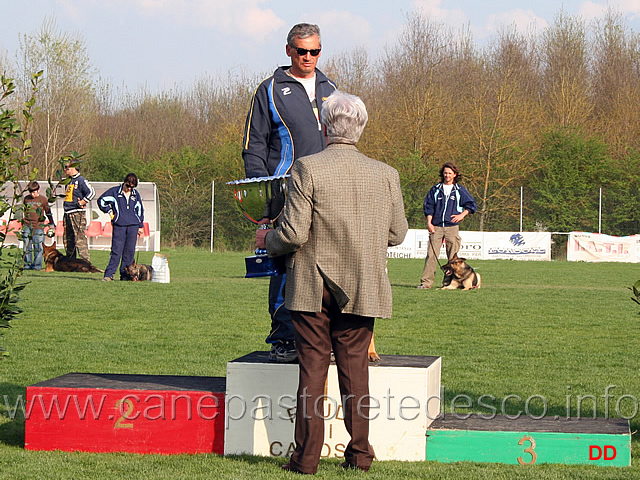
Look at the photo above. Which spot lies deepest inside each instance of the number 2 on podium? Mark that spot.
(126, 413)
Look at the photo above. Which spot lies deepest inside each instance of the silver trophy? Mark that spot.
(259, 198)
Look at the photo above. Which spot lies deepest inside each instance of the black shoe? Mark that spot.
(283, 353)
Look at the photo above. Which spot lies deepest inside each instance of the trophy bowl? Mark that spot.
(259, 198)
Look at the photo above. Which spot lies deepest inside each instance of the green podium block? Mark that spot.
(528, 441)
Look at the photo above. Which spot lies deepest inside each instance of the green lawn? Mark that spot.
(556, 330)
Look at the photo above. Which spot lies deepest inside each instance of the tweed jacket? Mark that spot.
(342, 211)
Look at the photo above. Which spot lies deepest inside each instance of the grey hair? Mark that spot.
(303, 30)
(345, 117)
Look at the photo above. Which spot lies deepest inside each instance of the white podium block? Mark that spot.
(261, 401)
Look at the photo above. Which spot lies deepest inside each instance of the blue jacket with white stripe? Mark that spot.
(441, 207)
(281, 125)
(123, 212)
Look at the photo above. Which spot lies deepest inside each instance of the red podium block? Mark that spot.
(126, 413)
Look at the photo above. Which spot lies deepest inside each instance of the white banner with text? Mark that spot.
(480, 246)
(597, 247)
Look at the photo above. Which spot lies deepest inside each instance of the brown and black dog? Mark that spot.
(139, 272)
(458, 274)
(56, 261)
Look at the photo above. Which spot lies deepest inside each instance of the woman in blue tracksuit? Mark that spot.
(124, 205)
(445, 206)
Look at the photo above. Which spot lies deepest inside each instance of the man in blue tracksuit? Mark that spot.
(124, 205)
(445, 206)
(283, 124)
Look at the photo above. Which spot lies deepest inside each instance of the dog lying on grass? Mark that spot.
(458, 274)
(56, 261)
(138, 272)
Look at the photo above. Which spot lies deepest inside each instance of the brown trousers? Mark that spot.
(453, 241)
(316, 335)
(75, 238)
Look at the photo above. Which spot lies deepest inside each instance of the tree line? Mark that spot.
(553, 112)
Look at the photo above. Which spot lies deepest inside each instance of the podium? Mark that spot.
(93, 412)
(530, 441)
(261, 400)
(252, 411)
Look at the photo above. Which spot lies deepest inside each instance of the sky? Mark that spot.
(157, 45)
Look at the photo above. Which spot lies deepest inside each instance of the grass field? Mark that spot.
(556, 330)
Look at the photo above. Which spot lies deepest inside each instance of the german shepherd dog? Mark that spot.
(458, 274)
(55, 261)
(139, 272)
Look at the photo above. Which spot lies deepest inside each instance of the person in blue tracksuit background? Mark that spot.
(445, 206)
(123, 203)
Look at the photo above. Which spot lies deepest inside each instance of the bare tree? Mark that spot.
(499, 115)
(6, 68)
(616, 84)
(66, 101)
(222, 102)
(352, 71)
(566, 76)
(412, 106)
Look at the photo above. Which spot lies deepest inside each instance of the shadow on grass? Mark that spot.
(53, 275)
(254, 460)
(260, 462)
(11, 415)
(413, 286)
(437, 286)
(398, 285)
(327, 468)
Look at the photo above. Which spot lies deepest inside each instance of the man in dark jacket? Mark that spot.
(123, 203)
(445, 206)
(79, 192)
(283, 124)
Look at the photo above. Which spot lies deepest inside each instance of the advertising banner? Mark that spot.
(416, 244)
(517, 246)
(407, 249)
(597, 247)
(471, 247)
(480, 246)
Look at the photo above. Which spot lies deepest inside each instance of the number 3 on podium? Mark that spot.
(529, 450)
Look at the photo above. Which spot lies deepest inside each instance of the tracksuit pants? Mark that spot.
(123, 249)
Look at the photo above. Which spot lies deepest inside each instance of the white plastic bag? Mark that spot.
(160, 265)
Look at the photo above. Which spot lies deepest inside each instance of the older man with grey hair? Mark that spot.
(342, 212)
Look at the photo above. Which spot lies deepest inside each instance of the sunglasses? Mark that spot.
(303, 51)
